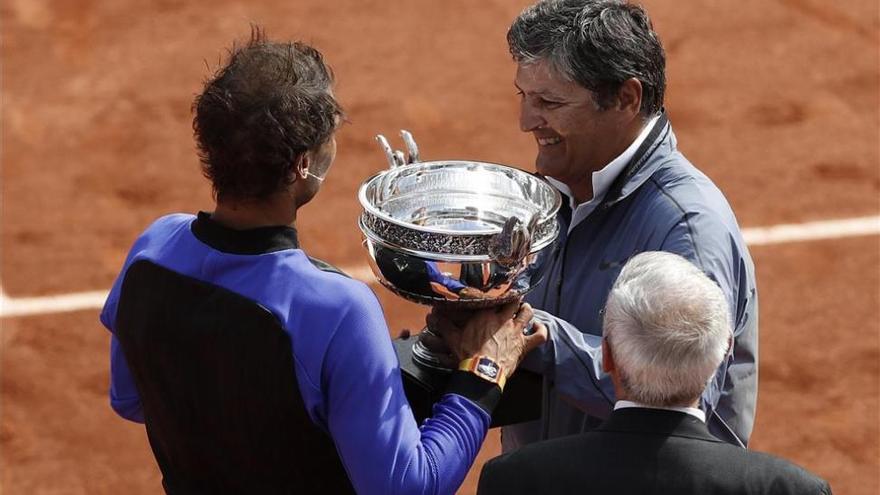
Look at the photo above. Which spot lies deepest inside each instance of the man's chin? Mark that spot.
(545, 167)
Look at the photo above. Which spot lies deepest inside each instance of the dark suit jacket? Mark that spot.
(644, 451)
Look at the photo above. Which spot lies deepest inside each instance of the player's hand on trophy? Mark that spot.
(497, 333)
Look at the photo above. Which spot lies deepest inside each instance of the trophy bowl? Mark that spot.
(456, 233)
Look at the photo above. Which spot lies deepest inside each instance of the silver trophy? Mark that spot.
(455, 233)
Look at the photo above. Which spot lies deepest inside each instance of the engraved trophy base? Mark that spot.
(424, 385)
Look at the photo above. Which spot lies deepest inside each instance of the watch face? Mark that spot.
(488, 368)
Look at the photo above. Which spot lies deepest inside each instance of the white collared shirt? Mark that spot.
(693, 411)
(602, 179)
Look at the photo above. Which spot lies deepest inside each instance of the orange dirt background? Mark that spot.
(777, 100)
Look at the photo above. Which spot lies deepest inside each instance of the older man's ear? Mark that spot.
(607, 358)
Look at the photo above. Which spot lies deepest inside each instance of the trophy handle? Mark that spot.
(396, 158)
(412, 148)
(389, 152)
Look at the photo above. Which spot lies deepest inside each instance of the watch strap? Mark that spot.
(486, 368)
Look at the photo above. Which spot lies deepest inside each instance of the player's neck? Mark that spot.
(243, 215)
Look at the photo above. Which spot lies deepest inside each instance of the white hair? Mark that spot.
(669, 328)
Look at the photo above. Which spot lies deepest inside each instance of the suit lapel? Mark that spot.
(657, 422)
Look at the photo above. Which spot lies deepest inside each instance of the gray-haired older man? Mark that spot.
(667, 328)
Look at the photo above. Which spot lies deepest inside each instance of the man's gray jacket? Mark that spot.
(660, 202)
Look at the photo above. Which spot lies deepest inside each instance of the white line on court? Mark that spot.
(761, 236)
(810, 231)
(23, 306)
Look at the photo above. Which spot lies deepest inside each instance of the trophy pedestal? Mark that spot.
(520, 402)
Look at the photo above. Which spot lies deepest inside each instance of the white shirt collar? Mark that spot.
(602, 179)
(693, 411)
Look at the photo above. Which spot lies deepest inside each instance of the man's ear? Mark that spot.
(303, 161)
(607, 356)
(629, 96)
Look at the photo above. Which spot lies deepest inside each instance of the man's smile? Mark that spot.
(548, 141)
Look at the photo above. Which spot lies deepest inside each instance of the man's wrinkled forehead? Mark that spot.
(539, 77)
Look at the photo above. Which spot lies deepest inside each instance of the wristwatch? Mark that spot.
(485, 368)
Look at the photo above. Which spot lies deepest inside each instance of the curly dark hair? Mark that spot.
(269, 103)
(598, 44)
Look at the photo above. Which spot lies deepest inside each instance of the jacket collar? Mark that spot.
(250, 242)
(640, 167)
(657, 422)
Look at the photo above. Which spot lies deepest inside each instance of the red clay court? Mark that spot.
(776, 100)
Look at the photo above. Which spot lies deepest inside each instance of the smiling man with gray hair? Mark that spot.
(591, 79)
(666, 331)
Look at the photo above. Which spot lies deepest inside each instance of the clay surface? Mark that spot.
(777, 101)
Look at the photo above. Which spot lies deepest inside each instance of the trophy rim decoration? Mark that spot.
(368, 206)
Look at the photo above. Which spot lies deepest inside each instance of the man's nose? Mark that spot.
(529, 118)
